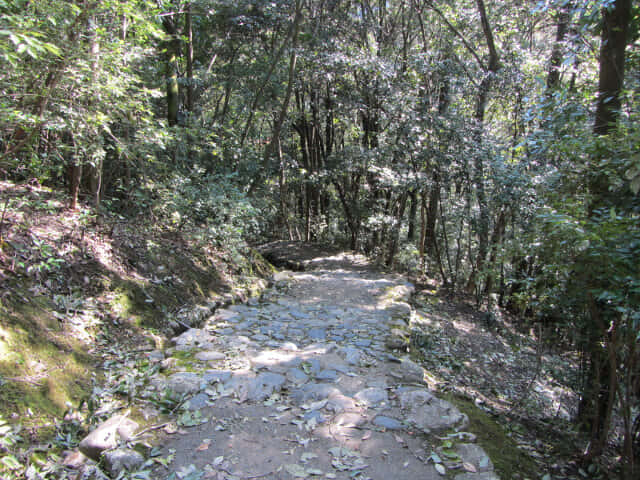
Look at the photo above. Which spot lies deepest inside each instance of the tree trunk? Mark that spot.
(395, 232)
(172, 49)
(413, 211)
(555, 62)
(601, 391)
(95, 171)
(189, 57)
(478, 176)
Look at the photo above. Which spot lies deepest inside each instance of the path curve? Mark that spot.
(305, 384)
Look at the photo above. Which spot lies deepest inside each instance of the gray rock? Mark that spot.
(327, 375)
(283, 276)
(372, 397)
(475, 455)
(197, 402)
(298, 314)
(315, 415)
(227, 315)
(410, 398)
(408, 371)
(429, 413)
(477, 476)
(155, 356)
(317, 334)
(339, 403)
(396, 340)
(363, 342)
(193, 337)
(349, 420)
(312, 392)
(352, 355)
(184, 382)
(107, 436)
(92, 472)
(261, 387)
(209, 355)
(388, 423)
(297, 376)
(122, 459)
(399, 310)
(216, 376)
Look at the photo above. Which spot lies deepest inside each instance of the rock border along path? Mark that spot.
(302, 384)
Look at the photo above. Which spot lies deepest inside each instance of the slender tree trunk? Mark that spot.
(432, 216)
(557, 53)
(423, 231)
(413, 211)
(478, 175)
(172, 49)
(95, 171)
(189, 56)
(395, 232)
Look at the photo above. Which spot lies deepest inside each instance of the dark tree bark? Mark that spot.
(413, 211)
(615, 31)
(478, 176)
(172, 51)
(557, 53)
(600, 392)
(189, 57)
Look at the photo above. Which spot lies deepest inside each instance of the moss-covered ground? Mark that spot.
(80, 292)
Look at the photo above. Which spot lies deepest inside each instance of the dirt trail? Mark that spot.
(305, 384)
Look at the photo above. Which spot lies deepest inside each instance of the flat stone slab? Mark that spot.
(388, 423)
(197, 402)
(216, 376)
(264, 385)
(477, 476)
(184, 382)
(408, 372)
(372, 396)
(209, 356)
(193, 337)
(312, 392)
(429, 413)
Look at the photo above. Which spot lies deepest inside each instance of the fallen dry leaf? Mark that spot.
(469, 467)
(170, 428)
(203, 446)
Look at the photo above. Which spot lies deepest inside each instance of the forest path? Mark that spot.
(304, 384)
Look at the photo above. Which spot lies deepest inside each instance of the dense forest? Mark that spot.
(494, 146)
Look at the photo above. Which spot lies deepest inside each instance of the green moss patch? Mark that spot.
(507, 458)
(42, 367)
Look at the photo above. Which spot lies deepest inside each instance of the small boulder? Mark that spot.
(184, 382)
(396, 340)
(372, 396)
(408, 371)
(388, 423)
(475, 455)
(107, 436)
(122, 459)
(429, 413)
(92, 472)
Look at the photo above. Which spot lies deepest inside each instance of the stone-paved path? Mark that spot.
(305, 384)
